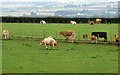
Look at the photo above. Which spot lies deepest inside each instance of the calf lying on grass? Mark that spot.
(49, 42)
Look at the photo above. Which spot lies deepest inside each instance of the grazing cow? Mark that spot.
(100, 35)
(70, 39)
(91, 22)
(117, 39)
(94, 39)
(85, 37)
(49, 42)
(98, 20)
(69, 35)
(5, 34)
(42, 22)
(73, 22)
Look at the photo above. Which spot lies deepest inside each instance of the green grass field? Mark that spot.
(37, 30)
(27, 56)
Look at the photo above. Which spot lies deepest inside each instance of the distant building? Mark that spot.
(33, 14)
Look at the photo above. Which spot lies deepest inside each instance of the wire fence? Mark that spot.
(41, 34)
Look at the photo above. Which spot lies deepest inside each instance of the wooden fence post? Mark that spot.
(56, 35)
(44, 33)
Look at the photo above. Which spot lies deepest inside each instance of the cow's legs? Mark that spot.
(53, 45)
(96, 41)
(49, 46)
(5, 37)
(92, 41)
(46, 46)
(105, 40)
(72, 40)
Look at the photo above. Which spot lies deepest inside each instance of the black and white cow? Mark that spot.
(100, 35)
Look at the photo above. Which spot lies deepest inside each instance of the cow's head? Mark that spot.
(41, 43)
(57, 45)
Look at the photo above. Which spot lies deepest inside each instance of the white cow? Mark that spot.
(5, 34)
(73, 22)
(49, 42)
(98, 20)
(42, 22)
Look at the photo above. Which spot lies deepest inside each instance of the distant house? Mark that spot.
(33, 14)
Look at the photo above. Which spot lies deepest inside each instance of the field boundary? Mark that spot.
(30, 38)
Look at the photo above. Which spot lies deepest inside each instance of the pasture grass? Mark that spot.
(27, 56)
(21, 56)
(41, 31)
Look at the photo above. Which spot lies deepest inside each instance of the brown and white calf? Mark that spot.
(117, 39)
(69, 35)
(91, 23)
(94, 39)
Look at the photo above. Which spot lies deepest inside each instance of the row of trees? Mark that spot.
(52, 20)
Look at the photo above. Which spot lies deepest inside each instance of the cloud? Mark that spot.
(28, 0)
(22, 0)
(62, 1)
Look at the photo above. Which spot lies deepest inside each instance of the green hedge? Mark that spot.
(52, 20)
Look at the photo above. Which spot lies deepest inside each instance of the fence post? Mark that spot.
(56, 35)
(111, 39)
(98, 37)
(79, 37)
(33, 34)
(44, 33)
(20, 30)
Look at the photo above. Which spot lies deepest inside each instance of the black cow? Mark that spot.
(108, 20)
(100, 35)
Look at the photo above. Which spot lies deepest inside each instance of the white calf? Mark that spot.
(5, 34)
(73, 22)
(98, 20)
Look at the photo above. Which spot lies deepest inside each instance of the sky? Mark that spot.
(63, 1)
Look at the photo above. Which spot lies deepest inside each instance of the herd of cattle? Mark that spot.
(70, 36)
(91, 22)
